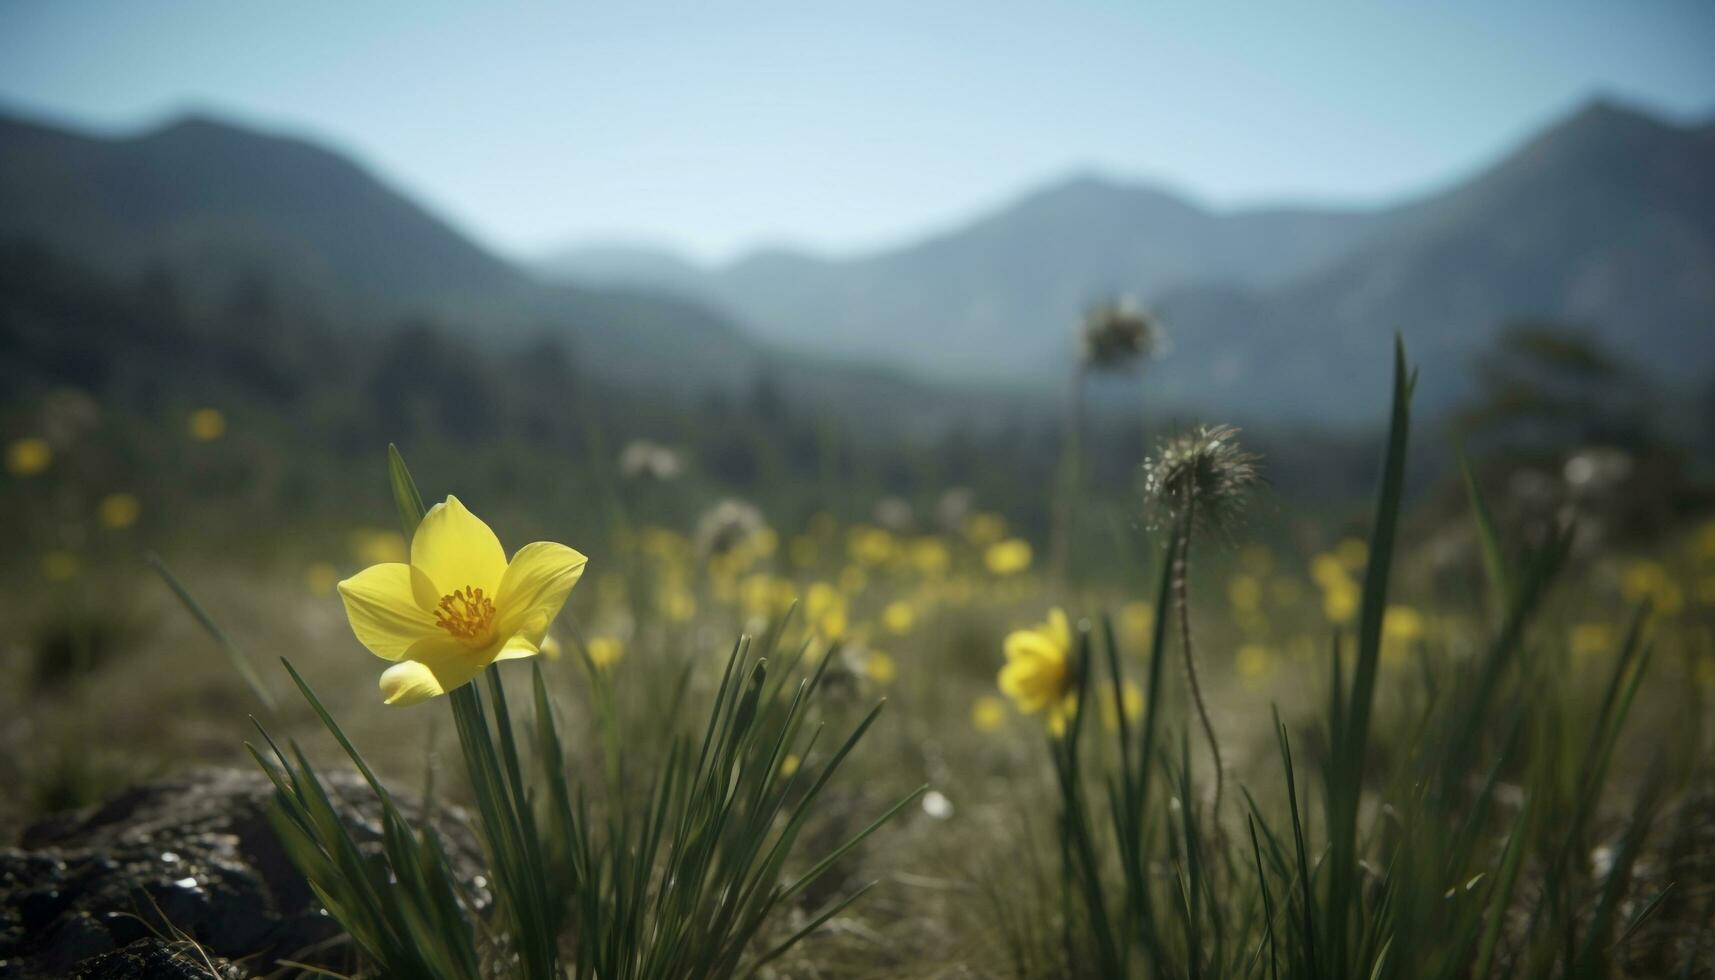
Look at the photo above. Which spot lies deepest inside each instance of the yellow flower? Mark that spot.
(1038, 673)
(1586, 639)
(1254, 662)
(1008, 557)
(118, 511)
(988, 713)
(28, 456)
(1137, 622)
(1340, 602)
(605, 651)
(1245, 593)
(789, 765)
(930, 556)
(879, 667)
(676, 603)
(1327, 570)
(321, 578)
(206, 424)
(375, 547)
(1402, 624)
(458, 606)
(1131, 699)
(1353, 553)
(983, 529)
(60, 566)
(899, 617)
(869, 545)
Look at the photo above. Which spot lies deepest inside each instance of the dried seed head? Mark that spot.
(1119, 336)
(1203, 472)
(728, 524)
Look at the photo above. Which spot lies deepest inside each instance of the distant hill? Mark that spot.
(222, 210)
(218, 206)
(1606, 218)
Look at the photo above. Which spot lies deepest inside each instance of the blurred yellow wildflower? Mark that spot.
(985, 529)
(1402, 626)
(988, 713)
(118, 511)
(1649, 581)
(1353, 553)
(899, 617)
(789, 765)
(1254, 662)
(605, 651)
(879, 667)
(458, 606)
(1327, 570)
(676, 603)
(803, 551)
(1137, 623)
(1586, 639)
(930, 556)
(1008, 557)
(375, 547)
(869, 545)
(1340, 602)
(28, 456)
(1244, 592)
(60, 566)
(321, 578)
(1131, 699)
(1038, 672)
(206, 424)
(853, 580)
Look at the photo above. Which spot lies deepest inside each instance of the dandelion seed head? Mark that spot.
(1203, 472)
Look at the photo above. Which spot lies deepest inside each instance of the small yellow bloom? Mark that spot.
(988, 713)
(321, 578)
(879, 667)
(930, 557)
(206, 424)
(985, 529)
(605, 651)
(60, 566)
(1131, 699)
(28, 456)
(1353, 553)
(677, 604)
(853, 580)
(1008, 557)
(1586, 639)
(376, 547)
(1038, 670)
(1327, 570)
(1254, 662)
(899, 617)
(118, 511)
(1244, 592)
(1137, 622)
(1402, 624)
(803, 551)
(869, 545)
(1340, 603)
(458, 606)
(789, 765)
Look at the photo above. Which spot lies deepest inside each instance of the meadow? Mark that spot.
(926, 736)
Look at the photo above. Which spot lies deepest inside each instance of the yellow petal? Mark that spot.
(384, 615)
(517, 648)
(433, 667)
(534, 587)
(455, 550)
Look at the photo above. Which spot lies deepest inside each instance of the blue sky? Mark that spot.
(715, 127)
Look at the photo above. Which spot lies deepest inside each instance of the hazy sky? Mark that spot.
(716, 126)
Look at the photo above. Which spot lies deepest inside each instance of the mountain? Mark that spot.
(223, 208)
(1606, 218)
(229, 214)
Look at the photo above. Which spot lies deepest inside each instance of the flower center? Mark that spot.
(468, 615)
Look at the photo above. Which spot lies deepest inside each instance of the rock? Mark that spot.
(113, 891)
